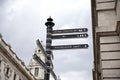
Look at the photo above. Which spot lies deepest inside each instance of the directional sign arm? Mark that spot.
(70, 31)
(53, 74)
(70, 36)
(35, 57)
(78, 46)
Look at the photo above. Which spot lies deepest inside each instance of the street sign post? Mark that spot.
(54, 34)
(78, 46)
(35, 57)
(70, 36)
(70, 30)
(49, 25)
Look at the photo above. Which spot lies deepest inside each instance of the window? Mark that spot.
(0, 62)
(14, 77)
(7, 70)
(39, 50)
(36, 71)
(20, 78)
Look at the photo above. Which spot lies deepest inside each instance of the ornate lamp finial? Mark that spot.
(49, 22)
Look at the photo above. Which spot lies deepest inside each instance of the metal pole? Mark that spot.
(49, 25)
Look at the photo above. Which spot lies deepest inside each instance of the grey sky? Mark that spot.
(22, 23)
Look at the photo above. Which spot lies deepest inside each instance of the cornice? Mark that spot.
(107, 33)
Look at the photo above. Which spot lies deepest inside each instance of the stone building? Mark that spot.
(106, 39)
(11, 67)
(36, 68)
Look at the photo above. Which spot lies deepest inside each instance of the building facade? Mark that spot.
(11, 67)
(106, 39)
(34, 66)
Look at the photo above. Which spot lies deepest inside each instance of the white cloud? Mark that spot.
(66, 27)
(75, 75)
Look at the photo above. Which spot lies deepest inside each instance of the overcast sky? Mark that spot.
(22, 23)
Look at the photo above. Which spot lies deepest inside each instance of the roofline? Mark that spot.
(11, 56)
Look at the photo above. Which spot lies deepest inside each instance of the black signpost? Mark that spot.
(48, 62)
(58, 34)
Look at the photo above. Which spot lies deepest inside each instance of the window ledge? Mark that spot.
(118, 27)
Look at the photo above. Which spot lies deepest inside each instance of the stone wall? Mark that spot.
(106, 39)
